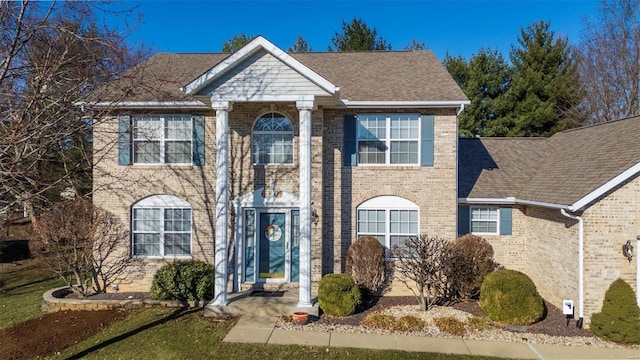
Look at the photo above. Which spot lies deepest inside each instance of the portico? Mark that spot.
(254, 74)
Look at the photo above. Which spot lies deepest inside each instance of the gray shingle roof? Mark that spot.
(560, 170)
(361, 76)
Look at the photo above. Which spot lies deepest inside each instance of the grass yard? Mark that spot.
(156, 332)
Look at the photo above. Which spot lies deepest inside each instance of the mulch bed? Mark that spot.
(54, 332)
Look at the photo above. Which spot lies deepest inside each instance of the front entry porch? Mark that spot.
(261, 303)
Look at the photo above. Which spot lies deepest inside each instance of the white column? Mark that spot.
(305, 107)
(222, 201)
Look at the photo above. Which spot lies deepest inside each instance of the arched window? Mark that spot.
(272, 141)
(390, 219)
(161, 226)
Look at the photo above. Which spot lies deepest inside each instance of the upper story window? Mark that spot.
(162, 139)
(272, 140)
(390, 219)
(161, 226)
(389, 139)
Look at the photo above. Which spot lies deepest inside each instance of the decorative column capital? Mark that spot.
(306, 104)
(221, 105)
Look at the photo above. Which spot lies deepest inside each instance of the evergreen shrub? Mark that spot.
(183, 280)
(619, 319)
(511, 297)
(338, 295)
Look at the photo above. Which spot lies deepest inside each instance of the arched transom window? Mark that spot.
(161, 226)
(390, 219)
(272, 141)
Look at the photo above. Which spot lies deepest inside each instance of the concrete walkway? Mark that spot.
(261, 329)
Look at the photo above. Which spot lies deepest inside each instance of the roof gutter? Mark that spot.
(403, 104)
(145, 104)
(580, 264)
(510, 201)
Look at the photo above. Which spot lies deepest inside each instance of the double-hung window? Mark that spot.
(388, 139)
(484, 220)
(390, 219)
(161, 226)
(162, 139)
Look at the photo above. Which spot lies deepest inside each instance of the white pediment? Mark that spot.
(256, 199)
(260, 71)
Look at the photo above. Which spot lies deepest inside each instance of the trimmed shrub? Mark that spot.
(619, 320)
(365, 263)
(183, 280)
(338, 295)
(511, 297)
(470, 259)
(450, 325)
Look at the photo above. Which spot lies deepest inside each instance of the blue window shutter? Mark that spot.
(463, 220)
(198, 140)
(426, 138)
(124, 140)
(350, 151)
(505, 221)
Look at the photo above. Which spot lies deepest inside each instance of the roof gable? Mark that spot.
(234, 77)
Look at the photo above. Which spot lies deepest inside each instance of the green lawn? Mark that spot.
(161, 333)
(21, 289)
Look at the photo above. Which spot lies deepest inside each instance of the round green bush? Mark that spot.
(619, 320)
(183, 280)
(511, 297)
(338, 295)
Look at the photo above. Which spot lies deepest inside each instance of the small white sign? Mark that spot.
(567, 307)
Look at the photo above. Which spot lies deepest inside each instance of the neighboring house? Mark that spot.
(269, 165)
(289, 157)
(559, 209)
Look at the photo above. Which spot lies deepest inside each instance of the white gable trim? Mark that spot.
(248, 50)
(604, 188)
(256, 199)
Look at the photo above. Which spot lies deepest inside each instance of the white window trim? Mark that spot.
(388, 204)
(262, 132)
(388, 140)
(497, 209)
(162, 202)
(162, 140)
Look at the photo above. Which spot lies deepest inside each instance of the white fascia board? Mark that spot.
(266, 98)
(509, 201)
(249, 49)
(146, 104)
(604, 188)
(404, 104)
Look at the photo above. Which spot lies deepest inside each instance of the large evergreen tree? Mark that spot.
(484, 80)
(301, 45)
(236, 43)
(544, 85)
(357, 36)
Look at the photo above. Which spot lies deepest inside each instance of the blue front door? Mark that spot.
(273, 246)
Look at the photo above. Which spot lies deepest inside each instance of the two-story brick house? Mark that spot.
(269, 165)
(289, 157)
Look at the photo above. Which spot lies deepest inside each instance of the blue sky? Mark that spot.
(457, 27)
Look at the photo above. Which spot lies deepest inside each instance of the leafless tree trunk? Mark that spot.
(609, 63)
(52, 55)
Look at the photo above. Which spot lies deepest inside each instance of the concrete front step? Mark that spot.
(257, 304)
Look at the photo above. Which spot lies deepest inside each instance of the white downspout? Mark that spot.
(580, 265)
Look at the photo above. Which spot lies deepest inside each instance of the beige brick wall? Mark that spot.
(336, 190)
(509, 250)
(433, 189)
(608, 224)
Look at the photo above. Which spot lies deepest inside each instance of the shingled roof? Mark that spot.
(561, 170)
(361, 76)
